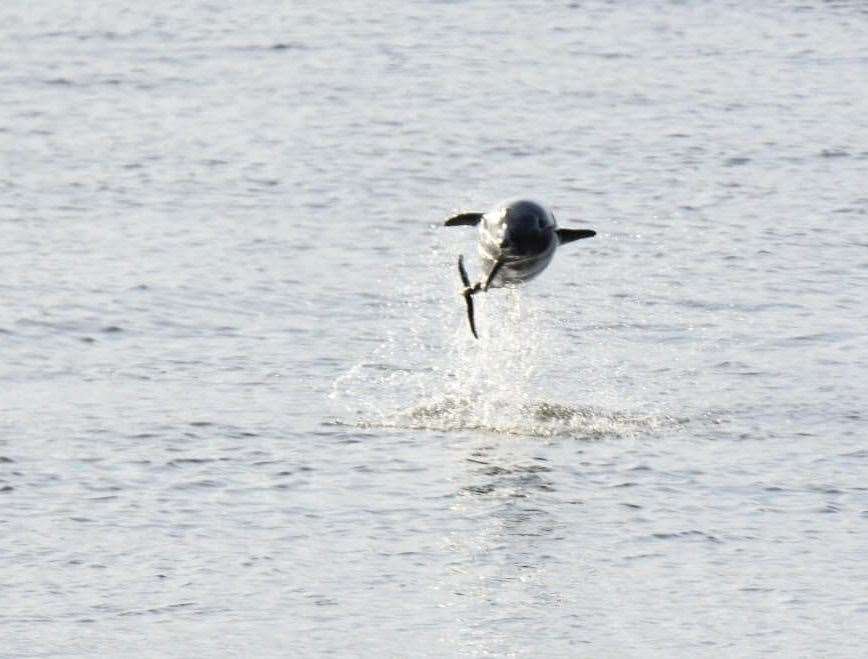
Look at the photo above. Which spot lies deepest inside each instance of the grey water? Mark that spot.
(241, 413)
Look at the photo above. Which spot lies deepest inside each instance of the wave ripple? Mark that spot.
(537, 418)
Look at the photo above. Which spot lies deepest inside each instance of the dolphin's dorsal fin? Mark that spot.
(464, 219)
(569, 235)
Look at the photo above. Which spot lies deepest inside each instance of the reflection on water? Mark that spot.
(505, 479)
(502, 560)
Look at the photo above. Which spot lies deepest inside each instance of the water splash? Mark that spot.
(433, 375)
(536, 419)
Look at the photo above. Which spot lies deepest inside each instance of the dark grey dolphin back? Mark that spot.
(525, 216)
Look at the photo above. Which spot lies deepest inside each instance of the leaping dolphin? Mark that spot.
(517, 240)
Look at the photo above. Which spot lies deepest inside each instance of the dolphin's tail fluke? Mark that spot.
(468, 298)
(469, 291)
(468, 295)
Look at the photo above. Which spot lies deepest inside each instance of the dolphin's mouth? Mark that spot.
(513, 259)
(506, 255)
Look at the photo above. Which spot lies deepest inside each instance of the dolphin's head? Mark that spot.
(529, 228)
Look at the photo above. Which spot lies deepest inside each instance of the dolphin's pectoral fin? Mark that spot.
(569, 235)
(464, 219)
(468, 293)
(490, 278)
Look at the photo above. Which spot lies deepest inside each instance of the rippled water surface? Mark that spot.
(241, 413)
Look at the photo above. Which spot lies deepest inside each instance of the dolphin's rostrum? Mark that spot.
(517, 240)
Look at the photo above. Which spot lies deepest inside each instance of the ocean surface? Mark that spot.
(241, 412)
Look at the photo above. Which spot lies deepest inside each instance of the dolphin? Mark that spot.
(517, 240)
